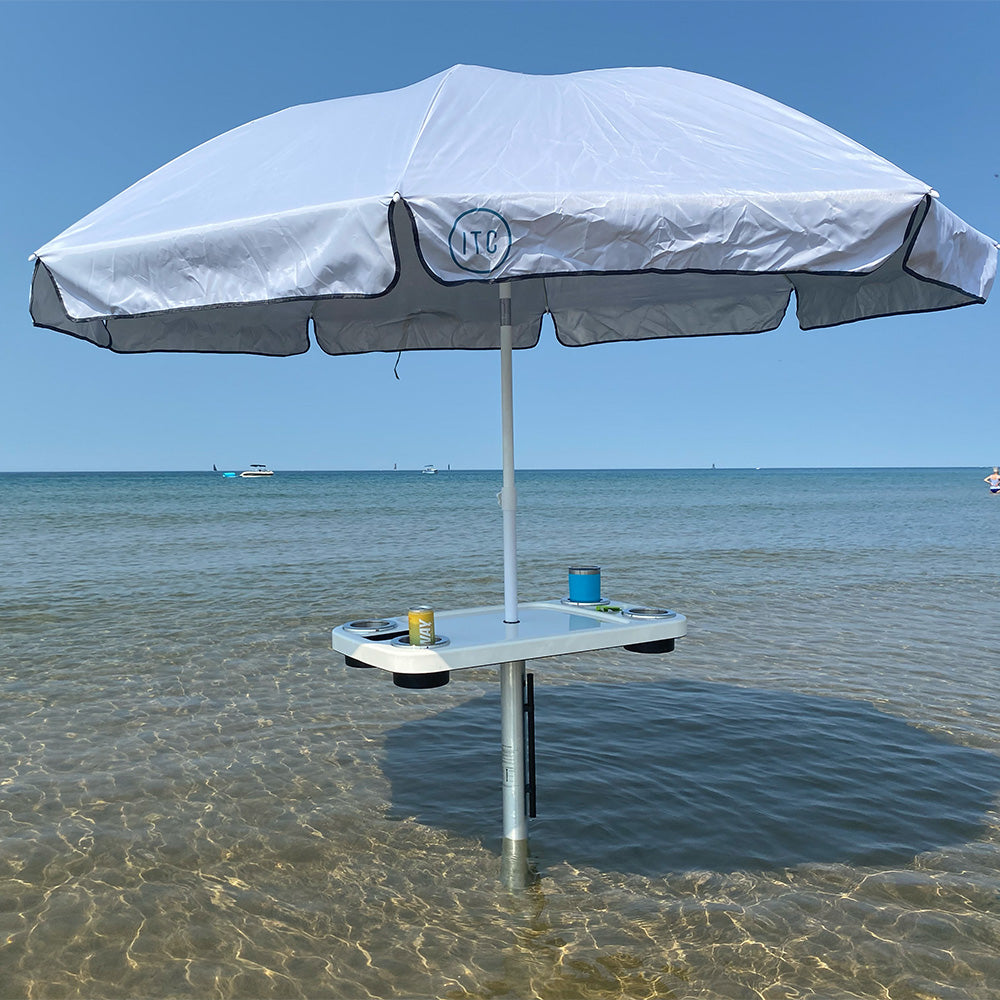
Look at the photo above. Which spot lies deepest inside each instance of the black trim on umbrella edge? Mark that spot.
(913, 228)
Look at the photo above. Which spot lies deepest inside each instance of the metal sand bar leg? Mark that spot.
(514, 859)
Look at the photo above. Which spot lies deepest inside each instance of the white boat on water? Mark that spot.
(256, 470)
(429, 470)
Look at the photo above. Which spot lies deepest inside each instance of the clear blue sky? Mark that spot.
(96, 95)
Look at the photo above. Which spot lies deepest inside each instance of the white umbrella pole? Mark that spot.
(514, 860)
(508, 494)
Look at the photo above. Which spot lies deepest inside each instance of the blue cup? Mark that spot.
(585, 584)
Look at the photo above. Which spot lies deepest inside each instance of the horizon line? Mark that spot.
(416, 468)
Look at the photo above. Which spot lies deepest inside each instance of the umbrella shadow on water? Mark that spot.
(675, 776)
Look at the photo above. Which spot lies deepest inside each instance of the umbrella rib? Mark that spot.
(431, 104)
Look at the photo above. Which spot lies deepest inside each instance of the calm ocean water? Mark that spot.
(198, 799)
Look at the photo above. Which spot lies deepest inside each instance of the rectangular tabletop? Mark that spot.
(475, 637)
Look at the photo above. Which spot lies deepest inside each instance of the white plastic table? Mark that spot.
(476, 637)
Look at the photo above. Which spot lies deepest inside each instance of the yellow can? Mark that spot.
(421, 626)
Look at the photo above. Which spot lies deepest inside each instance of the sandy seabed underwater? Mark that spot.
(199, 799)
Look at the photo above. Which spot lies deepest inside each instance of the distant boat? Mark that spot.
(256, 470)
(429, 470)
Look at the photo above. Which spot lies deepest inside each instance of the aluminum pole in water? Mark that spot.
(514, 855)
(508, 494)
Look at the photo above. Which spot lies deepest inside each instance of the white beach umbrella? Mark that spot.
(627, 204)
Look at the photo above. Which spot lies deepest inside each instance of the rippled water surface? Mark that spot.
(198, 799)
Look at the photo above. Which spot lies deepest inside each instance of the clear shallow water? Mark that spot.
(199, 799)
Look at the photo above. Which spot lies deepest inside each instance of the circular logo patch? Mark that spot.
(480, 240)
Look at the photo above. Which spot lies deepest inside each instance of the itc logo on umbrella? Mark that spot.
(480, 240)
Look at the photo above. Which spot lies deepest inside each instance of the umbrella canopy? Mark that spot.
(626, 203)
